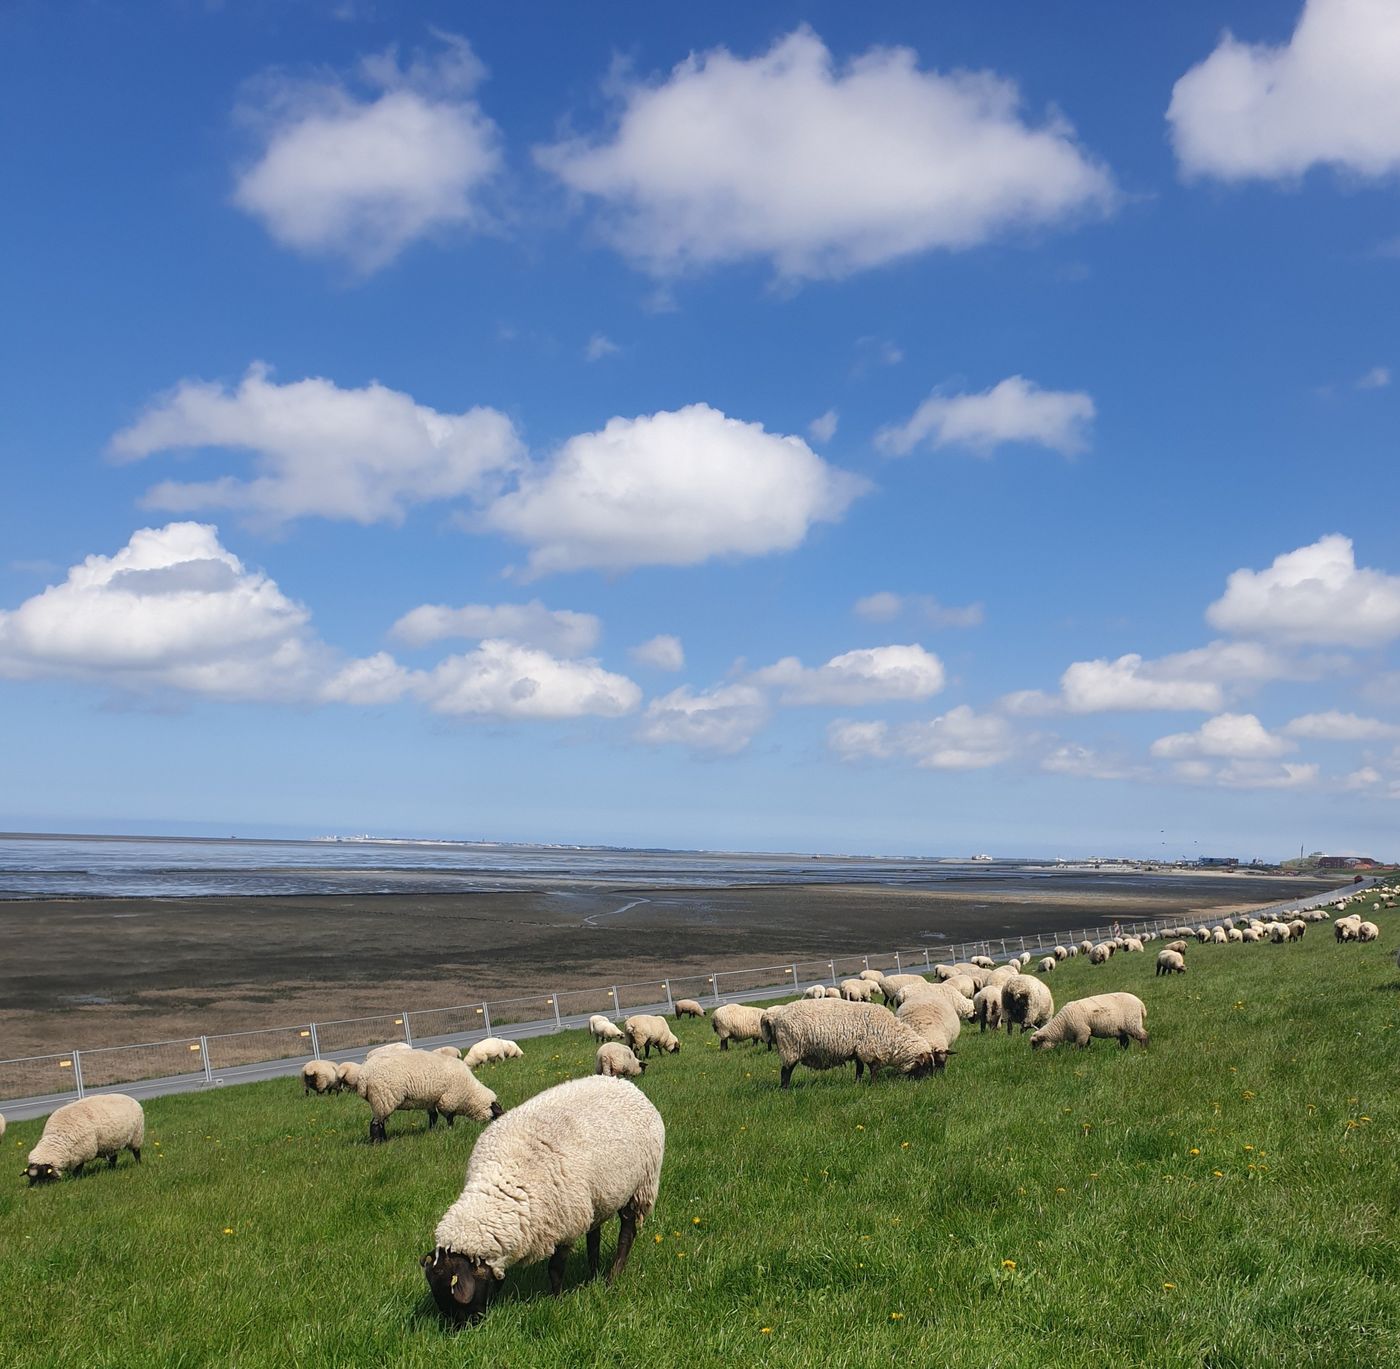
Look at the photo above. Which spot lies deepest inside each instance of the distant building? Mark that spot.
(1347, 863)
(1226, 862)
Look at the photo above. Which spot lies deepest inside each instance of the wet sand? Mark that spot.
(93, 972)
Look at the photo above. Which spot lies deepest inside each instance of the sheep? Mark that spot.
(1368, 931)
(602, 1028)
(983, 962)
(823, 1036)
(937, 1023)
(689, 1007)
(349, 1074)
(955, 999)
(986, 1007)
(1178, 946)
(965, 984)
(491, 1049)
(1121, 1015)
(890, 984)
(832, 991)
(1203, 934)
(618, 1060)
(857, 990)
(451, 1052)
(1026, 1002)
(414, 1081)
(1024, 958)
(320, 1076)
(815, 991)
(1344, 928)
(2, 1126)
(1251, 935)
(555, 1169)
(1085, 947)
(1278, 933)
(1218, 937)
(104, 1124)
(645, 1031)
(1098, 955)
(1170, 962)
(1047, 963)
(1234, 934)
(1060, 953)
(1071, 952)
(738, 1022)
(1004, 972)
(387, 1047)
(872, 976)
(1131, 944)
(1297, 929)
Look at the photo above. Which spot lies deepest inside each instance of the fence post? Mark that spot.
(928, 964)
(486, 1017)
(714, 987)
(670, 1002)
(831, 965)
(315, 1042)
(617, 1006)
(78, 1072)
(204, 1051)
(866, 958)
(554, 1003)
(793, 968)
(407, 1030)
(897, 966)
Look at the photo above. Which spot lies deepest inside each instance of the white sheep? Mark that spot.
(1218, 937)
(1234, 934)
(890, 984)
(1120, 1015)
(647, 1030)
(349, 1074)
(1085, 947)
(737, 1022)
(823, 1036)
(319, 1076)
(857, 990)
(491, 1049)
(1060, 953)
(602, 1028)
(916, 993)
(833, 992)
(1004, 972)
(1098, 955)
(1202, 934)
(937, 1023)
(814, 991)
(1368, 931)
(1251, 935)
(1131, 945)
(965, 984)
(1297, 929)
(419, 1081)
(451, 1052)
(1047, 963)
(1278, 933)
(1027, 1003)
(618, 1060)
(103, 1124)
(983, 962)
(1024, 959)
(872, 976)
(689, 1007)
(986, 1007)
(555, 1169)
(1178, 946)
(1170, 962)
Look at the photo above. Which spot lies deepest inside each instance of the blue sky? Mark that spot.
(812, 427)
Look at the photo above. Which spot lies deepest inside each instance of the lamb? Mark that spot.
(1234, 934)
(619, 1061)
(645, 1031)
(1026, 1002)
(689, 1007)
(987, 1007)
(412, 1081)
(1250, 935)
(857, 990)
(491, 1049)
(815, 991)
(1178, 946)
(983, 962)
(320, 1076)
(1060, 953)
(823, 1036)
(558, 1167)
(604, 1028)
(1297, 929)
(1085, 947)
(1368, 931)
(832, 991)
(451, 1052)
(103, 1124)
(1121, 1015)
(1047, 963)
(1170, 962)
(937, 1023)
(1098, 955)
(349, 1073)
(1218, 937)
(738, 1022)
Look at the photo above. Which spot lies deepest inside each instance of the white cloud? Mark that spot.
(377, 679)
(723, 719)
(1335, 726)
(957, 740)
(823, 427)
(663, 652)
(363, 455)
(824, 169)
(1130, 684)
(1244, 774)
(1328, 96)
(1313, 594)
(1013, 410)
(879, 674)
(1236, 736)
(561, 631)
(1363, 778)
(360, 178)
(599, 347)
(671, 489)
(507, 680)
(1377, 378)
(1083, 762)
(885, 605)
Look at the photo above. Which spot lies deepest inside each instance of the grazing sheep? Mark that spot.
(104, 1124)
(349, 1073)
(646, 1030)
(965, 984)
(832, 991)
(1344, 928)
(604, 1028)
(823, 1036)
(1368, 931)
(1202, 934)
(491, 1049)
(1278, 933)
(419, 1081)
(738, 1022)
(1178, 946)
(857, 990)
(1251, 934)
(1072, 952)
(1297, 929)
(986, 1007)
(1131, 945)
(983, 962)
(1234, 934)
(1098, 955)
(1027, 1003)
(689, 1007)
(1024, 958)
(872, 976)
(1047, 963)
(1120, 1015)
(1170, 962)
(555, 1169)
(1085, 947)
(388, 1047)
(917, 993)
(619, 1061)
(319, 1076)
(815, 991)
(451, 1052)
(1004, 972)
(937, 1023)
(1060, 953)
(1218, 937)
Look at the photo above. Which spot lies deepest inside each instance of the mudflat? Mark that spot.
(93, 972)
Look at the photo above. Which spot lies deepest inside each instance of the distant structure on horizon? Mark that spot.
(1219, 862)
(1347, 863)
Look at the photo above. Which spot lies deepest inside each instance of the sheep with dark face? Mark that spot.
(824, 1035)
(101, 1125)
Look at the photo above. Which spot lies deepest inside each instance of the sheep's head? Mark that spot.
(1041, 1042)
(923, 1065)
(675, 1047)
(461, 1287)
(40, 1174)
(940, 1057)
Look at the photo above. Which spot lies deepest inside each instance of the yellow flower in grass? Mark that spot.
(1168, 1286)
(695, 1221)
(765, 1330)
(896, 1316)
(1219, 1173)
(1008, 1264)
(1195, 1150)
(657, 1239)
(228, 1231)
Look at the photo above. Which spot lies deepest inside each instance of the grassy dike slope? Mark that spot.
(1230, 1197)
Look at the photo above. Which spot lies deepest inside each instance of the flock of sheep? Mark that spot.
(554, 1168)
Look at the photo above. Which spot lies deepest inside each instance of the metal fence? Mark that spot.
(41, 1082)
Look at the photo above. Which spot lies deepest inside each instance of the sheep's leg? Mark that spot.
(860, 1067)
(557, 1261)
(724, 1043)
(432, 1118)
(136, 1154)
(112, 1160)
(1123, 1039)
(78, 1168)
(1142, 1039)
(874, 1070)
(786, 1080)
(449, 1118)
(595, 1240)
(376, 1131)
(625, 1236)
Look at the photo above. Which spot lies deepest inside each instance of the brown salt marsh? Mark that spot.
(92, 972)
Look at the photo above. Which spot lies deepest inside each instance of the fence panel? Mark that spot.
(153, 1060)
(776, 977)
(506, 1010)
(632, 997)
(358, 1033)
(693, 986)
(253, 1047)
(37, 1075)
(430, 1023)
(586, 1002)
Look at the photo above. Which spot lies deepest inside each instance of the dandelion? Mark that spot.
(765, 1330)
(680, 1254)
(228, 1231)
(1219, 1173)
(896, 1316)
(1169, 1286)
(859, 1127)
(1195, 1150)
(1008, 1264)
(657, 1239)
(1059, 1190)
(904, 1145)
(1248, 1094)
(695, 1221)
(1249, 1147)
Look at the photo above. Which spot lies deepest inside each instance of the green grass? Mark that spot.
(859, 1225)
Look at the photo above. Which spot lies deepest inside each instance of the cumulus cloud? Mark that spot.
(960, 739)
(885, 605)
(1335, 726)
(1377, 378)
(1364, 778)
(824, 169)
(671, 489)
(561, 631)
(881, 674)
(359, 169)
(599, 347)
(722, 720)
(1129, 684)
(823, 427)
(504, 679)
(1235, 736)
(1327, 97)
(377, 679)
(1314, 594)
(1083, 762)
(662, 652)
(363, 455)
(1246, 774)
(1014, 410)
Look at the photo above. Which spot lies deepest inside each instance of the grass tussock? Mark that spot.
(1228, 1198)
